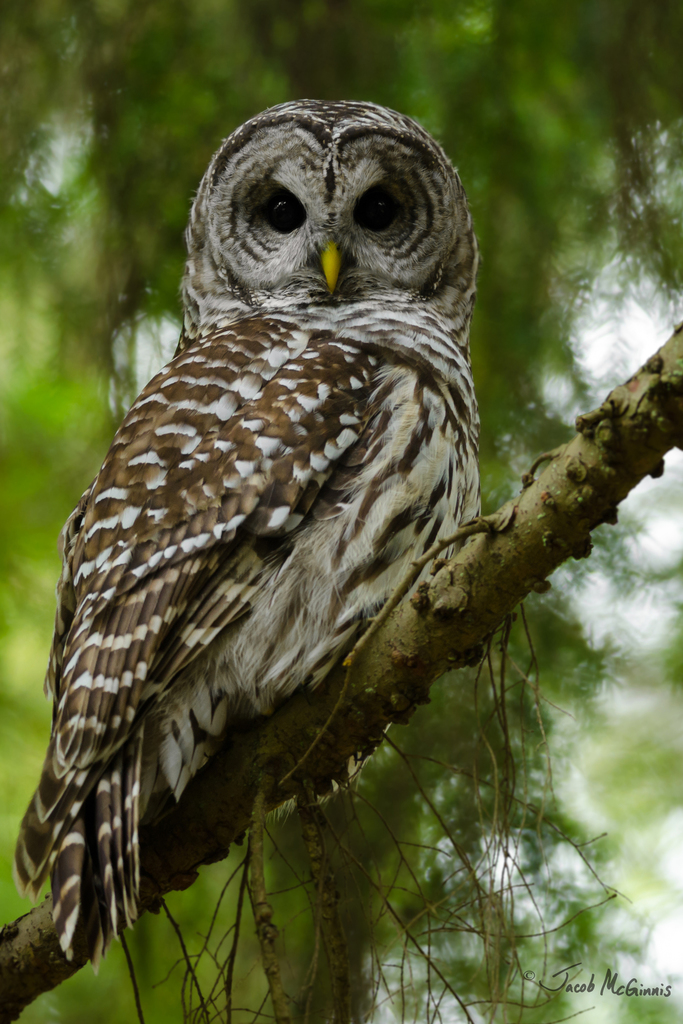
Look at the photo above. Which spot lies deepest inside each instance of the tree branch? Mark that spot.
(326, 906)
(263, 915)
(440, 628)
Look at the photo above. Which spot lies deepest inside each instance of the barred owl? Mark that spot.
(316, 431)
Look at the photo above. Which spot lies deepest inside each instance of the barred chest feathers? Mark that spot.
(419, 480)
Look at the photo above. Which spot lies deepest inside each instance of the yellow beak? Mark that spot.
(330, 258)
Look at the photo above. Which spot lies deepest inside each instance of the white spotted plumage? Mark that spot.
(270, 486)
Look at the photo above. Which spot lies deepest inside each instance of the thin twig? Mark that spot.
(233, 951)
(190, 968)
(313, 969)
(529, 478)
(217, 907)
(131, 971)
(478, 525)
(263, 914)
(340, 700)
(401, 926)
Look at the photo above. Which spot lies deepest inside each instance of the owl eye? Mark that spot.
(375, 210)
(284, 212)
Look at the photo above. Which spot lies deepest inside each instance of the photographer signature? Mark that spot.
(610, 984)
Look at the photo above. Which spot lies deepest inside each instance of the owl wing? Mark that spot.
(232, 440)
(66, 597)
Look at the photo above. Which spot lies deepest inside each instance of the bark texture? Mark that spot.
(442, 627)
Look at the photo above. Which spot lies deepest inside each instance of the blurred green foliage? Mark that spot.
(565, 124)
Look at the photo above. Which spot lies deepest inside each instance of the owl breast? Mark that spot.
(411, 479)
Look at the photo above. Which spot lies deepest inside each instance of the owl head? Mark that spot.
(329, 204)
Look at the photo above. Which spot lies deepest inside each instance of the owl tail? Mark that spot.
(95, 866)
